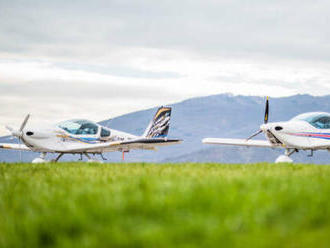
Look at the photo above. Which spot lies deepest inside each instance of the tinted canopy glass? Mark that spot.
(318, 120)
(105, 133)
(79, 127)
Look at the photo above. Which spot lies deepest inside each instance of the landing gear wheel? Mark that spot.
(283, 159)
(94, 161)
(39, 161)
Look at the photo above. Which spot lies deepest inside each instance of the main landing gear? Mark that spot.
(286, 157)
(90, 160)
(42, 158)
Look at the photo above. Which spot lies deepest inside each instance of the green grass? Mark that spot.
(164, 205)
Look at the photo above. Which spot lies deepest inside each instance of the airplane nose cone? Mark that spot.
(273, 127)
(16, 133)
(265, 127)
(35, 134)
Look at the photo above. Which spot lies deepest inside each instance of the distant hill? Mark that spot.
(221, 115)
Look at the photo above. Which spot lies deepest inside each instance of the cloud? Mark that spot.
(295, 29)
(97, 59)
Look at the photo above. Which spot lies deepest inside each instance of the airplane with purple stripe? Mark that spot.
(308, 131)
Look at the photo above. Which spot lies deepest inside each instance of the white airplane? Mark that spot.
(308, 131)
(85, 137)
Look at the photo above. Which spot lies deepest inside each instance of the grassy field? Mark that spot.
(164, 205)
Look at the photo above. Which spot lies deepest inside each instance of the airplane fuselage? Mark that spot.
(297, 134)
(56, 139)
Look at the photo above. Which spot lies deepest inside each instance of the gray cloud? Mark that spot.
(155, 52)
(57, 90)
(119, 71)
(285, 29)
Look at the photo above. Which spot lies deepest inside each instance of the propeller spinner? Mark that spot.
(19, 133)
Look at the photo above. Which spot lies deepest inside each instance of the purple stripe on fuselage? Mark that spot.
(313, 135)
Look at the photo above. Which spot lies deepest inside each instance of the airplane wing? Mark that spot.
(10, 146)
(238, 142)
(140, 143)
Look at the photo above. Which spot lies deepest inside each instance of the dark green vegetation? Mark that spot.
(164, 205)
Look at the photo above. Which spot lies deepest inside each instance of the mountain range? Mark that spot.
(222, 115)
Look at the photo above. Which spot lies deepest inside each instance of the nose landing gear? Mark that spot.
(41, 159)
(286, 157)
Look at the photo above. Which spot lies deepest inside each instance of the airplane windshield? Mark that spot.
(79, 127)
(318, 120)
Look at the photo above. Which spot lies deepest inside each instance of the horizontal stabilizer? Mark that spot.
(155, 141)
(237, 142)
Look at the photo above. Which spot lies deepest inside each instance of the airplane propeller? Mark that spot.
(265, 120)
(24, 122)
(19, 133)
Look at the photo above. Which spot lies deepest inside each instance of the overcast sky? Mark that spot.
(99, 59)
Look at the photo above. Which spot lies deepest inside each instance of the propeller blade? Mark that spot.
(255, 134)
(265, 120)
(24, 122)
(14, 133)
(266, 111)
(10, 129)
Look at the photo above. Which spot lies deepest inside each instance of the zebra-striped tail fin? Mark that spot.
(160, 124)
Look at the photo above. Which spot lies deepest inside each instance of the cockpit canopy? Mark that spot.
(79, 127)
(316, 119)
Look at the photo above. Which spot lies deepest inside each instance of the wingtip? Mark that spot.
(206, 140)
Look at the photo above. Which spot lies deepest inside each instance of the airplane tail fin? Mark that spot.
(160, 124)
